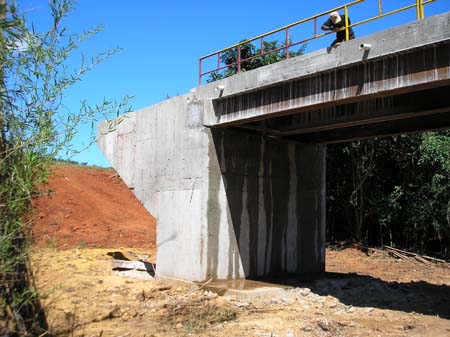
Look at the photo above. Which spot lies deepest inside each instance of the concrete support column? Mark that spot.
(265, 208)
(312, 209)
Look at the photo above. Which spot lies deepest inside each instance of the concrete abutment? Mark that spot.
(229, 204)
(235, 178)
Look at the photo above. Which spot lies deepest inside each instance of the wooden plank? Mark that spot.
(434, 259)
(420, 259)
(404, 252)
(401, 256)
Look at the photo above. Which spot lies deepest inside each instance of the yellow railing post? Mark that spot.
(347, 34)
(419, 10)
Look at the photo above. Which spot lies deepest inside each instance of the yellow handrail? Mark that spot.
(421, 12)
(283, 28)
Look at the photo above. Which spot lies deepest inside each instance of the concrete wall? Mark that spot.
(228, 204)
(160, 154)
(274, 192)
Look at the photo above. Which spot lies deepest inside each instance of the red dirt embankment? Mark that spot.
(91, 207)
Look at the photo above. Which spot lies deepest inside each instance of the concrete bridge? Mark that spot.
(236, 177)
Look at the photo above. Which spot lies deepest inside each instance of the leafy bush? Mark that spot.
(252, 57)
(34, 128)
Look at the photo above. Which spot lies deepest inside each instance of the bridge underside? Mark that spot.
(401, 92)
(422, 110)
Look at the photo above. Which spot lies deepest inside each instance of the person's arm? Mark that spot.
(328, 25)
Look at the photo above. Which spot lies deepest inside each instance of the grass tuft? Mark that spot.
(198, 315)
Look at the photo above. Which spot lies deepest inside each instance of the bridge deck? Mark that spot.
(399, 85)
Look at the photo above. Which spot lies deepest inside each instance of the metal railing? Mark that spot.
(287, 44)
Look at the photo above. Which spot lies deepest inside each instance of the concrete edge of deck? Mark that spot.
(412, 35)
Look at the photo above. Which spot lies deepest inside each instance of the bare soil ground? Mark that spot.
(91, 207)
(92, 213)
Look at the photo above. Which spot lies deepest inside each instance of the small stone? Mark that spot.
(210, 295)
(179, 326)
(307, 328)
(290, 333)
(324, 324)
(331, 302)
(354, 325)
(305, 292)
(408, 326)
(242, 304)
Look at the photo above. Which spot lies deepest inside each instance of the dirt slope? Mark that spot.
(91, 207)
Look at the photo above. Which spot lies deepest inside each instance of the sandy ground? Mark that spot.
(362, 294)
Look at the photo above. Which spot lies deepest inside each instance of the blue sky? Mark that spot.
(162, 41)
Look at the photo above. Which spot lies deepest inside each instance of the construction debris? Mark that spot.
(136, 265)
(414, 257)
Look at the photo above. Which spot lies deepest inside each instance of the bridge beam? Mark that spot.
(409, 71)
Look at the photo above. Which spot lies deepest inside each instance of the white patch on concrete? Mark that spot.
(218, 225)
(262, 222)
(229, 262)
(178, 235)
(194, 115)
(244, 238)
(316, 230)
(291, 232)
(269, 244)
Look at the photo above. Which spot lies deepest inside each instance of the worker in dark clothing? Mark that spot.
(335, 23)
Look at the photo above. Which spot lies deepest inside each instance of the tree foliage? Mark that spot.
(34, 127)
(392, 191)
(252, 57)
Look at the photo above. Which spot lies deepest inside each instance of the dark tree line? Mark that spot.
(393, 191)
